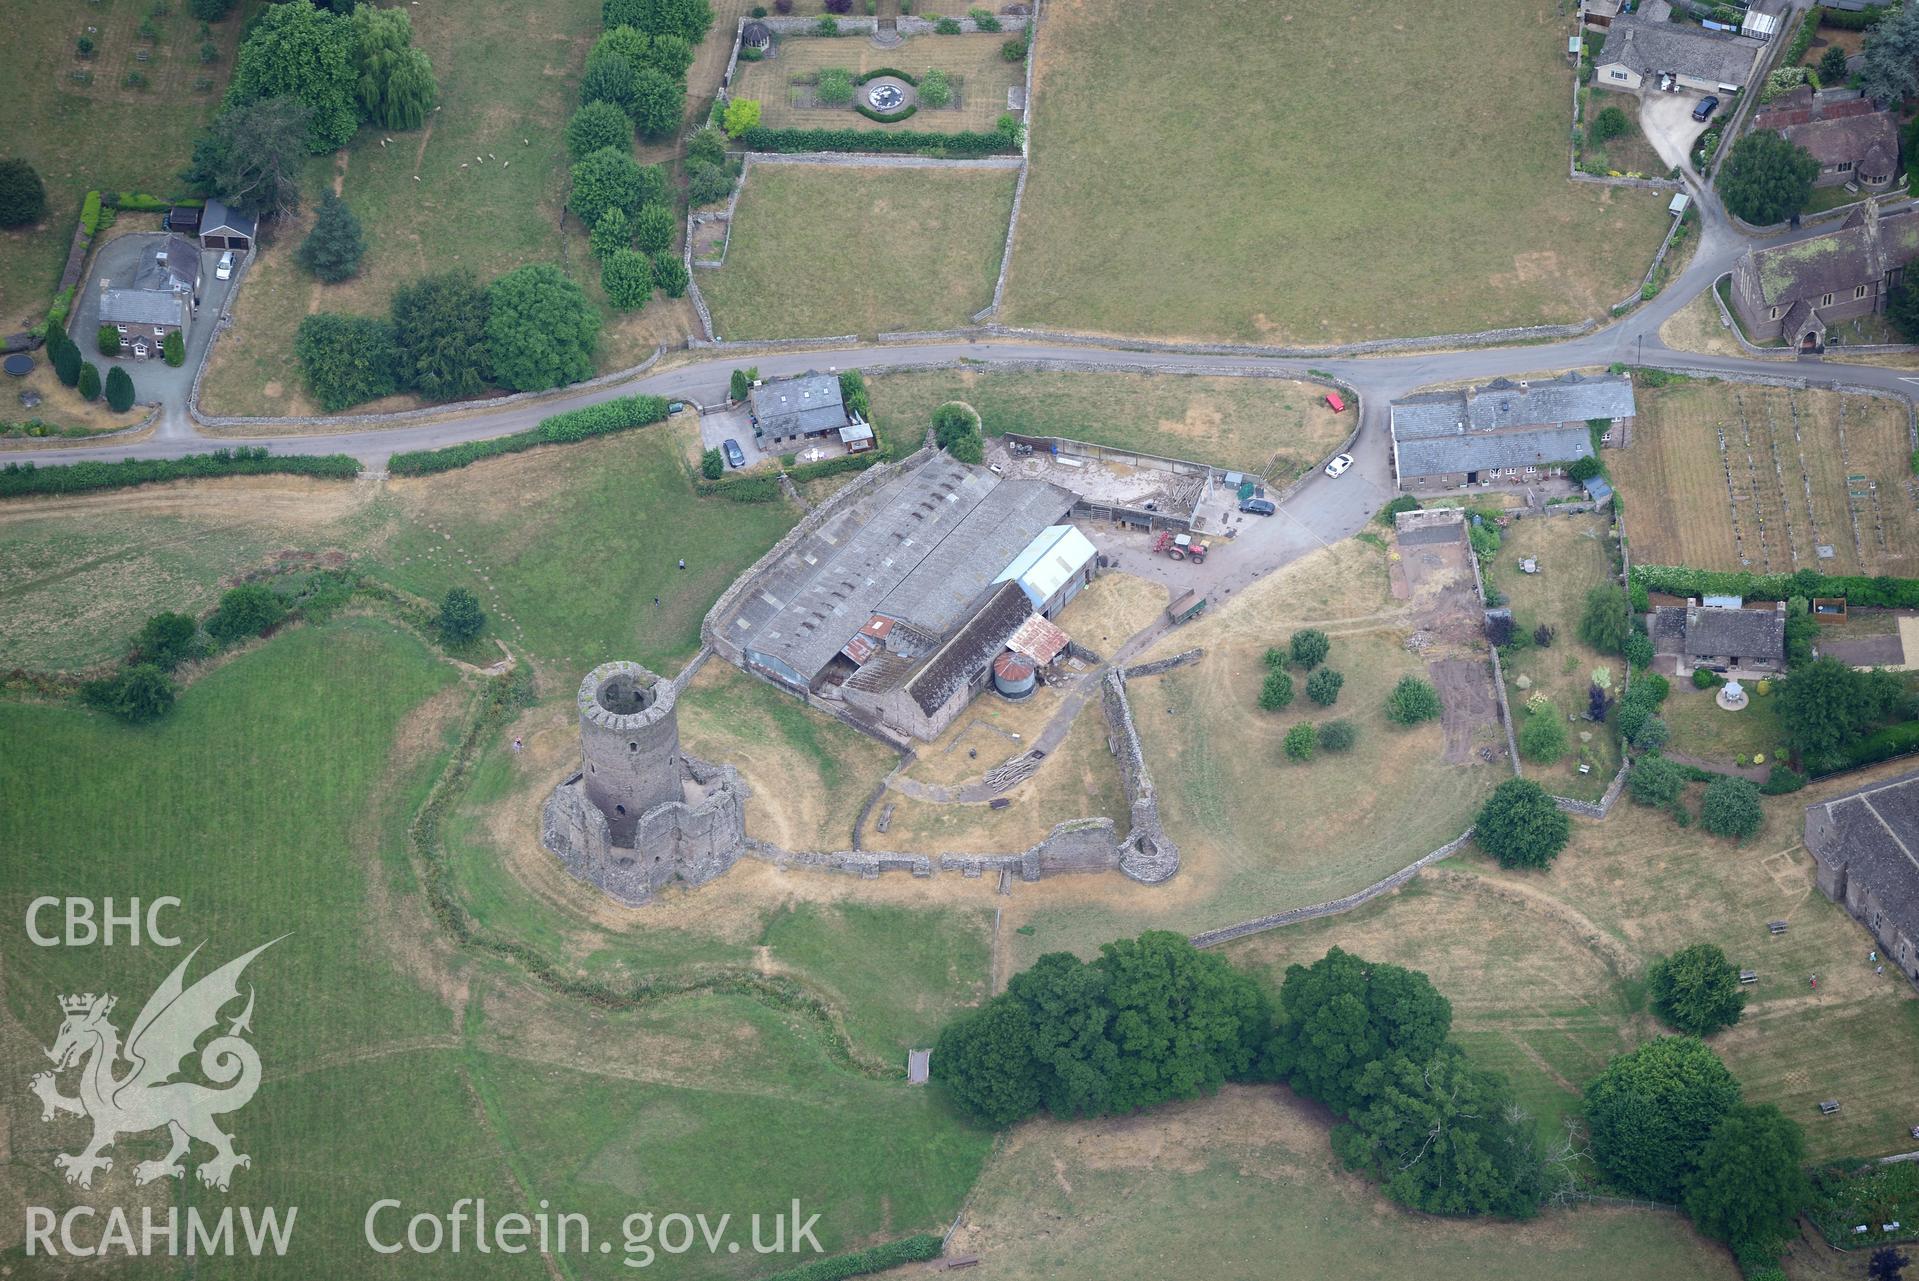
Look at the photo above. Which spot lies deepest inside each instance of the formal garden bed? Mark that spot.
(944, 83)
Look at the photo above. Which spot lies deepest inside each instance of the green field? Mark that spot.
(1327, 176)
(819, 251)
(1271, 427)
(273, 802)
(566, 549)
(102, 135)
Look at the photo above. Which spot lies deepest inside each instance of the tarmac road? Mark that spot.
(1323, 511)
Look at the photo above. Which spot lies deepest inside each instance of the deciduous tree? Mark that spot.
(1276, 692)
(1651, 1112)
(1521, 826)
(597, 126)
(1750, 1184)
(251, 609)
(395, 84)
(653, 228)
(1412, 700)
(1767, 179)
(139, 695)
(610, 234)
(1890, 70)
(1731, 808)
(166, 640)
(1300, 741)
(1655, 781)
(659, 101)
(461, 618)
(688, 19)
(1605, 624)
(1342, 1014)
(1323, 686)
(1696, 990)
(669, 273)
(542, 329)
(307, 54)
(627, 277)
(252, 154)
(1309, 647)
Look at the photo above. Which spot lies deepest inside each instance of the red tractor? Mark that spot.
(1180, 546)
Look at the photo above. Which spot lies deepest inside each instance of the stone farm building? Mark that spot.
(1505, 432)
(160, 298)
(1865, 845)
(1852, 139)
(1638, 50)
(1796, 291)
(895, 606)
(1737, 642)
(793, 412)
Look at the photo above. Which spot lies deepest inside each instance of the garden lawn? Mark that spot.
(1573, 558)
(1326, 177)
(101, 135)
(820, 251)
(1700, 727)
(979, 74)
(1269, 427)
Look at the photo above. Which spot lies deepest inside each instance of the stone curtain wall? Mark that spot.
(1332, 907)
(1149, 855)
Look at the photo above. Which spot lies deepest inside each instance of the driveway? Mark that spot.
(153, 379)
(1666, 120)
(717, 426)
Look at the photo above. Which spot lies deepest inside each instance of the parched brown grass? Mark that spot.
(973, 63)
(1273, 427)
(1732, 476)
(820, 251)
(1244, 1187)
(1546, 970)
(1319, 176)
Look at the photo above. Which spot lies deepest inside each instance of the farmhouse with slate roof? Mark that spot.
(793, 410)
(1795, 291)
(1505, 432)
(1865, 847)
(160, 299)
(1638, 50)
(1746, 643)
(1852, 139)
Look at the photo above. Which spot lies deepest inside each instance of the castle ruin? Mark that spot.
(641, 813)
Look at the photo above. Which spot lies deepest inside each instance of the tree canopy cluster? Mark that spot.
(1666, 1123)
(1370, 1041)
(1697, 990)
(1521, 825)
(1825, 705)
(956, 429)
(1151, 1020)
(449, 338)
(344, 69)
(1766, 178)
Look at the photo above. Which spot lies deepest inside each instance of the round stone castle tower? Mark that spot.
(629, 745)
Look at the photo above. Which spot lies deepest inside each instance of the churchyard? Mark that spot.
(920, 250)
(1730, 476)
(1167, 227)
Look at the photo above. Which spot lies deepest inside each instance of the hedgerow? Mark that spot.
(25, 478)
(603, 419)
(762, 138)
(878, 1258)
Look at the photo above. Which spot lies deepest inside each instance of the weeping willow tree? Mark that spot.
(396, 86)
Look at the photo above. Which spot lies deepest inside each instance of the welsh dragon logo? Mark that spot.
(145, 1096)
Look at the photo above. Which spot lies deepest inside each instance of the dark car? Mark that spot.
(735, 457)
(1707, 105)
(1259, 507)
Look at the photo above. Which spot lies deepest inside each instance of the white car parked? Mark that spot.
(225, 270)
(1338, 466)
